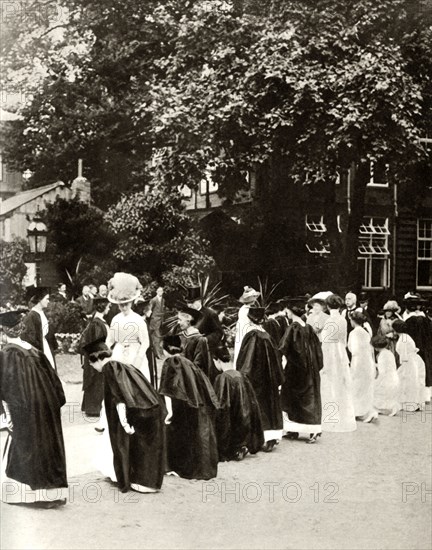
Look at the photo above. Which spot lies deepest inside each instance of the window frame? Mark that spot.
(371, 182)
(421, 239)
(376, 252)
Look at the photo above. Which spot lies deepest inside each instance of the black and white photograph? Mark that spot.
(216, 274)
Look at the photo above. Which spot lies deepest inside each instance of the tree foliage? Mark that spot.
(80, 242)
(13, 270)
(156, 237)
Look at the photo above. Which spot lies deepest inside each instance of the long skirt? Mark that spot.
(363, 382)
(336, 390)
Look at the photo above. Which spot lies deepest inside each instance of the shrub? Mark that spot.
(65, 318)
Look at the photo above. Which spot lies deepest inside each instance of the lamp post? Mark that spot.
(37, 237)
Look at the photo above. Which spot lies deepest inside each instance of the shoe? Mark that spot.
(291, 435)
(240, 454)
(394, 411)
(268, 446)
(313, 438)
(371, 418)
(49, 504)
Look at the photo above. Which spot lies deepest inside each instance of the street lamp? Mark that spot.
(27, 174)
(37, 237)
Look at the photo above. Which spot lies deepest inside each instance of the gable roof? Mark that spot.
(7, 116)
(22, 198)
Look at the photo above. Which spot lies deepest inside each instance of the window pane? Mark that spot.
(378, 273)
(424, 273)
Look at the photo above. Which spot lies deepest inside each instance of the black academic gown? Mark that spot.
(92, 380)
(195, 348)
(238, 421)
(191, 438)
(33, 334)
(138, 458)
(272, 327)
(259, 360)
(34, 394)
(300, 392)
(420, 330)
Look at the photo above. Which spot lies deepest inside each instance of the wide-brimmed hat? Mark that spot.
(194, 313)
(249, 295)
(36, 293)
(12, 318)
(391, 305)
(193, 293)
(123, 288)
(256, 314)
(320, 297)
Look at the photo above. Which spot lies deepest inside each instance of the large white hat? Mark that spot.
(320, 296)
(249, 295)
(123, 288)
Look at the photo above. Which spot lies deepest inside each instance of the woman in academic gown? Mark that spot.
(37, 330)
(192, 404)
(193, 344)
(92, 380)
(34, 463)
(135, 415)
(238, 425)
(362, 369)
(259, 360)
(300, 392)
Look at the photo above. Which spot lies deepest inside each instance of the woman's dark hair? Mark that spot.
(380, 342)
(358, 318)
(100, 306)
(399, 326)
(334, 302)
(99, 355)
(299, 311)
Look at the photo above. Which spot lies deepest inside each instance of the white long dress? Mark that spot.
(317, 321)
(45, 328)
(386, 392)
(242, 326)
(362, 371)
(336, 392)
(412, 374)
(129, 335)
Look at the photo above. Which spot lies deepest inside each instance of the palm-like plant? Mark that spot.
(267, 292)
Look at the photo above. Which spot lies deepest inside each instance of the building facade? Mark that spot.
(395, 237)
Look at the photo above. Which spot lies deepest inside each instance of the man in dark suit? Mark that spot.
(209, 325)
(85, 301)
(157, 304)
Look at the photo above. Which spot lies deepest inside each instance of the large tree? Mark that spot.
(296, 89)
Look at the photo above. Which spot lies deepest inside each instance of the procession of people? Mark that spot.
(300, 367)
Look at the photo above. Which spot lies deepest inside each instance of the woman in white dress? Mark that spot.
(386, 392)
(412, 370)
(36, 326)
(336, 391)
(317, 317)
(248, 298)
(128, 332)
(363, 369)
